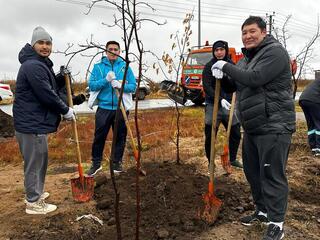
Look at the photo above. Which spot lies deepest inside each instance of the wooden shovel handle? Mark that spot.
(74, 123)
(213, 130)
(233, 101)
(133, 144)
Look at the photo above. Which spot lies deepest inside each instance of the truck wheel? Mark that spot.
(198, 101)
(142, 94)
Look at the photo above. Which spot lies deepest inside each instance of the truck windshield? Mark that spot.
(199, 59)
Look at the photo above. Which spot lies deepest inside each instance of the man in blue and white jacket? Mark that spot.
(106, 77)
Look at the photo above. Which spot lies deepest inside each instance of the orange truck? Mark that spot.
(190, 87)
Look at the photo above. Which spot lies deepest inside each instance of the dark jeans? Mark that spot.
(222, 117)
(104, 120)
(234, 140)
(264, 163)
(312, 113)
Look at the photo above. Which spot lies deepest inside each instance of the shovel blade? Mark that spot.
(211, 209)
(211, 206)
(225, 160)
(82, 188)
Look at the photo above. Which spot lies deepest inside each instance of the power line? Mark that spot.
(217, 6)
(297, 20)
(296, 27)
(291, 22)
(77, 2)
(211, 16)
(232, 7)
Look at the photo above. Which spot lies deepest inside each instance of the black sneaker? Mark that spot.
(117, 167)
(236, 164)
(94, 169)
(316, 152)
(273, 233)
(254, 218)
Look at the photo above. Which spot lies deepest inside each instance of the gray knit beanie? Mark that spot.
(40, 34)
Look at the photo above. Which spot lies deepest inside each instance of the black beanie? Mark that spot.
(220, 44)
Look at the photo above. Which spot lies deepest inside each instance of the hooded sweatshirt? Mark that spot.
(209, 82)
(37, 106)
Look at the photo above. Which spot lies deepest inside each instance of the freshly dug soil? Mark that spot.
(6, 125)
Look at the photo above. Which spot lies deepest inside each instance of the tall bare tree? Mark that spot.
(129, 21)
(173, 64)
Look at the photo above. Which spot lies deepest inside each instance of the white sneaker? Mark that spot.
(43, 196)
(40, 207)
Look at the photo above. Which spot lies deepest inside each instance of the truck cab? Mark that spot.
(191, 77)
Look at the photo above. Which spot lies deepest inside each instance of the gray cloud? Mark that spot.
(68, 24)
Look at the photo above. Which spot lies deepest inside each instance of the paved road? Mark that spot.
(145, 104)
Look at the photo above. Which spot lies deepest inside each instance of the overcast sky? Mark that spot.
(66, 22)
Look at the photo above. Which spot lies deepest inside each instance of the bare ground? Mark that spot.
(171, 194)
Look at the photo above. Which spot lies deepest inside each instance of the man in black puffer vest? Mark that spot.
(220, 51)
(262, 80)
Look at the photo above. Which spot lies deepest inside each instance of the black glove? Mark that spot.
(61, 82)
(78, 99)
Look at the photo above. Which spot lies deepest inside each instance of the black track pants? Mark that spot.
(264, 161)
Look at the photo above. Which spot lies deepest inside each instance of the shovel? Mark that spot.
(225, 161)
(212, 204)
(133, 144)
(83, 186)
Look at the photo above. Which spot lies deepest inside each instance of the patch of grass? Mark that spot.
(195, 112)
(302, 84)
(157, 128)
(6, 101)
(19, 189)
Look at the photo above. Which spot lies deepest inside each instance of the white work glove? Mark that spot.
(218, 74)
(116, 84)
(110, 76)
(225, 104)
(218, 65)
(70, 115)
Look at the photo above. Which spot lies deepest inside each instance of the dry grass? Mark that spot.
(157, 131)
(302, 84)
(79, 87)
(157, 128)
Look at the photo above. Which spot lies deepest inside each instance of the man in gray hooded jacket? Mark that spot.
(262, 80)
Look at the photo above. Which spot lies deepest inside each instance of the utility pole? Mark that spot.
(199, 24)
(270, 21)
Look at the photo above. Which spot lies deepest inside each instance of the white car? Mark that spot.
(5, 92)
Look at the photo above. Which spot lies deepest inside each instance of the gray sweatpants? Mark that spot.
(34, 150)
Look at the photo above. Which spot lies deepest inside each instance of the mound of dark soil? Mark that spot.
(6, 125)
(171, 196)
